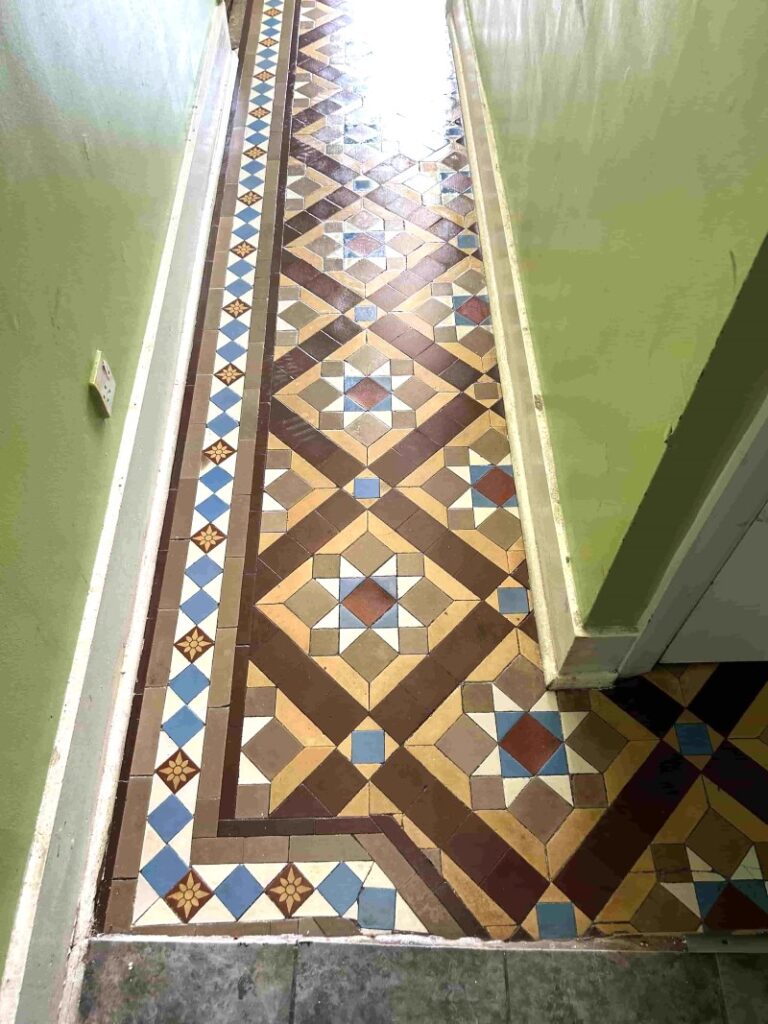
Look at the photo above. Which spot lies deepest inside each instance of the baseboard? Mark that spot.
(572, 657)
(55, 906)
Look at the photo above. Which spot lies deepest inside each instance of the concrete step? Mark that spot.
(297, 981)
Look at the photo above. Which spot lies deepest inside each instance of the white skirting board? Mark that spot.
(55, 908)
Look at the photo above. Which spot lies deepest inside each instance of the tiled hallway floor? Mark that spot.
(341, 721)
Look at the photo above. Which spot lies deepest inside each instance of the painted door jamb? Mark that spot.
(573, 657)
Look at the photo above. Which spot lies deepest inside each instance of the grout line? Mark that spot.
(292, 1007)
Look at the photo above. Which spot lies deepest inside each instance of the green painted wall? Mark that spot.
(94, 102)
(632, 139)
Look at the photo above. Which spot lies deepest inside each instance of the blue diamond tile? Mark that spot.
(363, 314)
(222, 424)
(550, 720)
(387, 583)
(182, 726)
(245, 231)
(189, 683)
(693, 738)
(215, 479)
(754, 889)
(512, 600)
(556, 920)
(251, 182)
(347, 585)
(707, 894)
(164, 870)
(239, 891)
(376, 909)
(349, 621)
(477, 473)
(556, 765)
(511, 768)
(365, 487)
(225, 399)
(238, 288)
(368, 746)
(199, 606)
(169, 818)
(230, 351)
(203, 571)
(240, 268)
(504, 722)
(233, 330)
(340, 888)
(389, 620)
(212, 507)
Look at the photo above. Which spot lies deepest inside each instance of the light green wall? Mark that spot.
(95, 98)
(632, 138)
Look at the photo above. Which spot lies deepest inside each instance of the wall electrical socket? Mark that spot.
(102, 384)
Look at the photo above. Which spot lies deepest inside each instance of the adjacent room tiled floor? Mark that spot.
(341, 721)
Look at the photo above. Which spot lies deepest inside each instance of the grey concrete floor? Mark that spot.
(308, 982)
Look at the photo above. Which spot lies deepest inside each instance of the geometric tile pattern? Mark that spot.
(365, 741)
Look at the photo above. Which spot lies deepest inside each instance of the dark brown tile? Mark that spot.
(302, 680)
(471, 641)
(340, 509)
(335, 782)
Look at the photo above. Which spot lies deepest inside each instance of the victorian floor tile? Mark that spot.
(341, 723)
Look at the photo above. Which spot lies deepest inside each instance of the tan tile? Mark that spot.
(522, 682)
(483, 908)
(311, 602)
(326, 566)
(596, 741)
(445, 486)
(288, 489)
(661, 912)
(132, 828)
(213, 753)
(252, 801)
(518, 837)
(367, 553)
(272, 748)
(223, 665)
(265, 849)
(410, 563)
(145, 749)
(119, 915)
(369, 655)
(425, 601)
(206, 822)
(540, 809)
(719, 843)
(229, 605)
(159, 666)
(173, 574)
(685, 816)
(630, 895)
(429, 910)
(487, 793)
(260, 701)
(326, 848)
(466, 744)
(570, 836)
(217, 851)
(438, 722)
